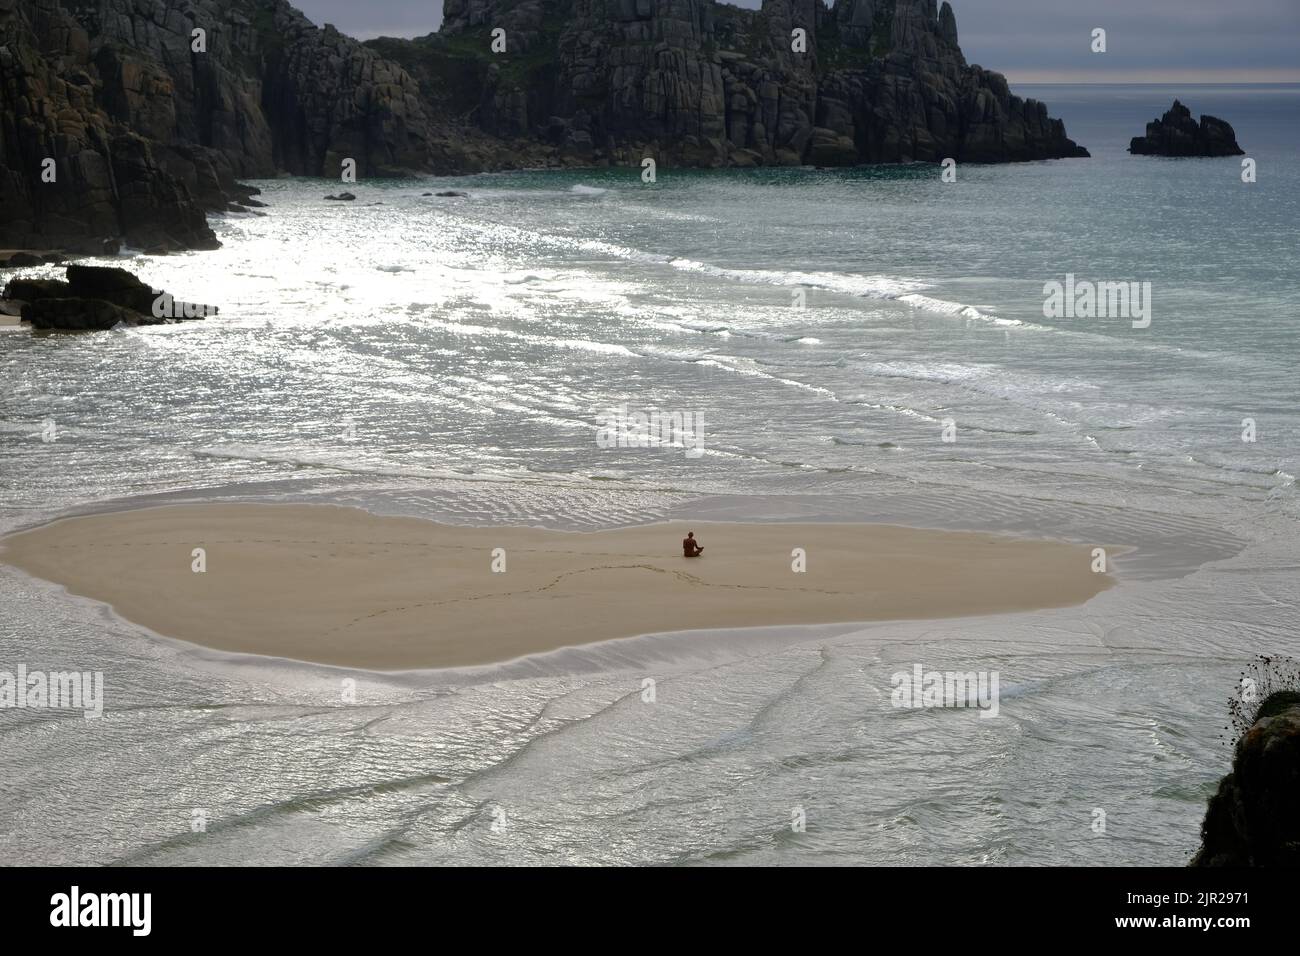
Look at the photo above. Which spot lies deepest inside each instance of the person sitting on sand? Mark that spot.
(690, 547)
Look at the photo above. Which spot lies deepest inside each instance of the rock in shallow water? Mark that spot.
(1177, 134)
(79, 315)
(95, 298)
(19, 259)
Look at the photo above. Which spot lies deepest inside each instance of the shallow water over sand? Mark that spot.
(449, 358)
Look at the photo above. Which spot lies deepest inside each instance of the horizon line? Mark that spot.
(1234, 75)
(1082, 79)
(1036, 82)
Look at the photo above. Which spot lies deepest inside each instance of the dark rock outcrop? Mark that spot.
(1178, 134)
(79, 315)
(694, 82)
(67, 170)
(94, 298)
(1254, 817)
(152, 112)
(150, 125)
(32, 290)
(112, 285)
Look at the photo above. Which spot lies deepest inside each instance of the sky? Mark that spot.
(1031, 41)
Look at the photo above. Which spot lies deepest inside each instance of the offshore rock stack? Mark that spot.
(1177, 134)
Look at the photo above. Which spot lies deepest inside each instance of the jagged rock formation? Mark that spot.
(67, 170)
(152, 111)
(701, 83)
(1177, 134)
(150, 126)
(1254, 817)
(96, 299)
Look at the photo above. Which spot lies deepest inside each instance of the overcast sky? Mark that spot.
(1184, 41)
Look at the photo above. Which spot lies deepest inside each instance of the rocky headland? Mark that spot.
(700, 83)
(132, 119)
(1178, 134)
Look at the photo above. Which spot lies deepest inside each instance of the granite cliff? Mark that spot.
(149, 124)
(134, 118)
(695, 82)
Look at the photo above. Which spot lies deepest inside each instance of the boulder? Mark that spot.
(80, 315)
(31, 290)
(110, 284)
(94, 298)
(19, 259)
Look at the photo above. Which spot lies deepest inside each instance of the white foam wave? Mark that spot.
(620, 252)
(884, 287)
(864, 286)
(741, 369)
(944, 307)
(585, 345)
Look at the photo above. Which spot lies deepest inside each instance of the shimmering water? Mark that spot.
(451, 357)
